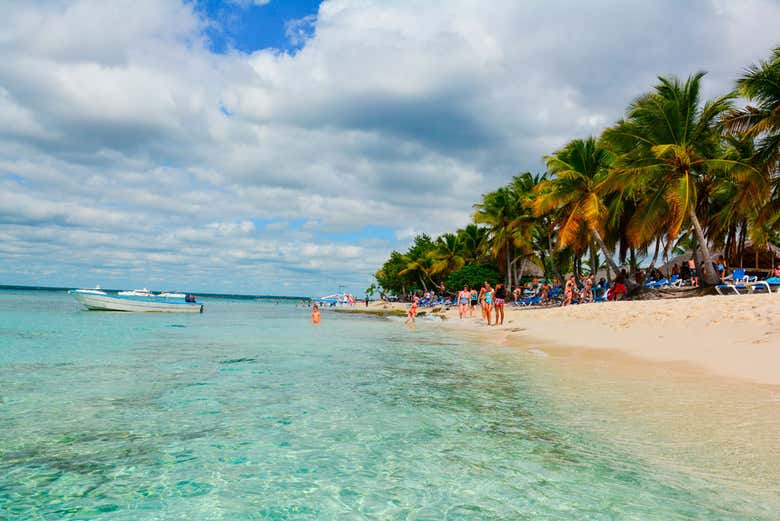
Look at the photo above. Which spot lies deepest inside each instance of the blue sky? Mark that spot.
(274, 147)
(248, 26)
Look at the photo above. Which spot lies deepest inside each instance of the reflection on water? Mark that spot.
(247, 412)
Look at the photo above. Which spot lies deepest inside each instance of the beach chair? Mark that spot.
(660, 283)
(739, 281)
(739, 276)
(531, 301)
(674, 282)
(772, 283)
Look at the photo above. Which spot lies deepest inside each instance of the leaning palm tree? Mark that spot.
(668, 145)
(419, 268)
(575, 192)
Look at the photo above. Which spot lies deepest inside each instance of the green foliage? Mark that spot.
(473, 275)
(388, 276)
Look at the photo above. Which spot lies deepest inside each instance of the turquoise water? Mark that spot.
(249, 412)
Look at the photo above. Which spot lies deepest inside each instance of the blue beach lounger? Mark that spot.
(739, 281)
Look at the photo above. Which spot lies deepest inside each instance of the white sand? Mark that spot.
(731, 336)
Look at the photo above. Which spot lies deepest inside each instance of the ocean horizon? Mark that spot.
(238, 296)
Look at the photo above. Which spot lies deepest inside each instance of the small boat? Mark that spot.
(337, 299)
(137, 300)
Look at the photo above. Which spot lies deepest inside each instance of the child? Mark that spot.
(412, 314)
(315, 315)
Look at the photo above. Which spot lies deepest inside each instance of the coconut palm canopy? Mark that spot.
(677, 173)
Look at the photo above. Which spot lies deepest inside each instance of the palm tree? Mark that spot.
(499, 210)
(472, 240)
(526, 227)
(761, 123)
(447, 256)
(669, 149)
(575, 192)
(419, 268)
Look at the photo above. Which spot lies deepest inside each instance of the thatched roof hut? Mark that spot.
(759, 259)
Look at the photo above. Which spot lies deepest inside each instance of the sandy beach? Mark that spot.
(729, 336)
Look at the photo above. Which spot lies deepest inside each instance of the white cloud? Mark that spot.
(129, 151)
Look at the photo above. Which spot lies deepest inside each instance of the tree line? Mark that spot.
(676, 173)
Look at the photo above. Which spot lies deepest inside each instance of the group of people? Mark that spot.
(686, 271)
(490, 300)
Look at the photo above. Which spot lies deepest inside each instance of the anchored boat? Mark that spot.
(137, 300)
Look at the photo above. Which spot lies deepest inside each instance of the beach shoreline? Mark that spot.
(735, 337)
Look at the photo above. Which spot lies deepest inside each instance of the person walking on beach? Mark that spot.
(473, 303)
(499, 297)
(487, 305)
(315, 314)
(481, 297)
(412, 314)
(464, 297)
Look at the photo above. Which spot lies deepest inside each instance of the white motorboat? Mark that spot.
(137, 300)
(337, 299)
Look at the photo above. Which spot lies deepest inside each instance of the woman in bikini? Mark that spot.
(464, 297)
(568, 291)
(499, 297)
(487, 305)
(481, 297)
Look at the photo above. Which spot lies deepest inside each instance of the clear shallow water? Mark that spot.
(249, 412)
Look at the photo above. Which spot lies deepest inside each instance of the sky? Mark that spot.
(280, 147)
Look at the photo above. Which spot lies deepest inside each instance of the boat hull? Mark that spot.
(135, 304)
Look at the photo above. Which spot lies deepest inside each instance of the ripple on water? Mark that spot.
(358, 419)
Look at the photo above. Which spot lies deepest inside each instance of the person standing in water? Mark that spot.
(315, 314)
(412, 314)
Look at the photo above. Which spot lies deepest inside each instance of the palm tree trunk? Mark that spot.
(556, 272)
(594, 263)
(508, 267)
(655, 254)
(709, 275)
(605, 251)
(422, 281)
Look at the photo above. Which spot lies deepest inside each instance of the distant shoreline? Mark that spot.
(234, 296)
